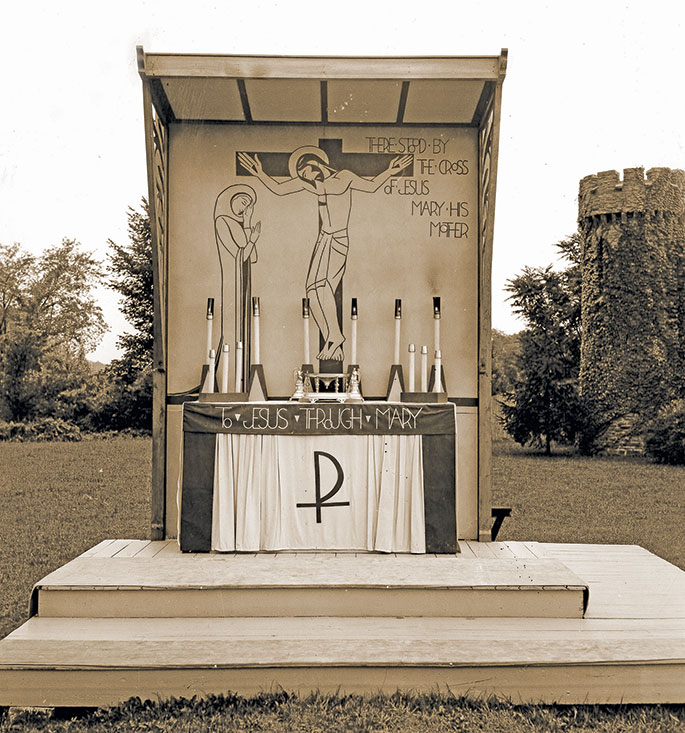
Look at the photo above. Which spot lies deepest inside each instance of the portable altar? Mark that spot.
(322, 235)
(329, 216)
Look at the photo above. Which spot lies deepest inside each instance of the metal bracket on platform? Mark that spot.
(499, 513)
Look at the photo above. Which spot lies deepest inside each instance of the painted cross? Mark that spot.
(331, 175)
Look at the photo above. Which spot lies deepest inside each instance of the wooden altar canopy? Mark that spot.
(402, 156)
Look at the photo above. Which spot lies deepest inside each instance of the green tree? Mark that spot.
(506, 348)
(544, 405)
(48, 320)
(130, 269)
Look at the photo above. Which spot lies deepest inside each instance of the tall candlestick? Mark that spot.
(437, 387)
(255, 330)
(424, 369)
(436, 323)
(239, 367)
(398, 323)
(412, 366)
(224, 368)
(210, 372)
(305, 321)
(210, 322)
(354, 317)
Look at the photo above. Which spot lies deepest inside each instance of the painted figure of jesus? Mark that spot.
(310, 171)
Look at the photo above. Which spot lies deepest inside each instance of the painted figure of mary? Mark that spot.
(236, 239)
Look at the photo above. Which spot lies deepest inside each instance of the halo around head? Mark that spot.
(222, 207)
(296, 155)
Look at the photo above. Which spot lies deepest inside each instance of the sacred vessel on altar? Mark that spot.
(321, 499)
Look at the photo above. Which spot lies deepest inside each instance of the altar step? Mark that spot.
(629, 647)
(97, 662)
(127, 580)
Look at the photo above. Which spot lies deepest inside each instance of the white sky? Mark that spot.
(590, 86)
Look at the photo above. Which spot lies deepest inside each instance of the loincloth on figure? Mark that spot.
(329, 258)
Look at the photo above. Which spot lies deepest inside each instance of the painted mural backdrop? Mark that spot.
(287, 212)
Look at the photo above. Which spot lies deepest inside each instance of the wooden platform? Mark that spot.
(630, 646)
(155, 580)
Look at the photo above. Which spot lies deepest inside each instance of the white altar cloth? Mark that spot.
(265, 493)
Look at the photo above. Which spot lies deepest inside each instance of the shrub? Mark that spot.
(665, 434)
(44, 428)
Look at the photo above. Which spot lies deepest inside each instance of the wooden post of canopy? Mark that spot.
(488, 151)
(157, 155)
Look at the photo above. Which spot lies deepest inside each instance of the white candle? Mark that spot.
(412, 366)
(224, 368)
(305, 321)
(210, 373)
(398, 324)
(354, 317)
(239, 367)
(436, 323)
(424, 369)
(210, 322)
(255, 331)
(437, 387)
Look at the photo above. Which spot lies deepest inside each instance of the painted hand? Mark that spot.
(247, 215)
(256, 231)
(399, 163)
(251, 164)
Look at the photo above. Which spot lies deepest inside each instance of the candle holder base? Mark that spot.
(223, 397)
(204, 380)
(431, 379)
(257, 391)
(423, 397)
(395, 383)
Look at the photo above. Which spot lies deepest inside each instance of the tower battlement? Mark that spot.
(662, 190)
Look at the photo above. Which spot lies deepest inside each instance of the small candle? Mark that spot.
(424, 369)
(210, 372)
(437, 387)
(398, 323)
(412, 366)
(354, 317)
(224, 368)
(239, 367)
(436, 323)
(255, 330)
(305, 321)
(210, 322)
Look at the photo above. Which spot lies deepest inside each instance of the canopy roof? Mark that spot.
(322, 90)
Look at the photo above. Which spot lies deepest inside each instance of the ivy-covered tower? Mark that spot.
(633, 299)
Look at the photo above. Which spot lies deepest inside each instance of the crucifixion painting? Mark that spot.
(310, 169)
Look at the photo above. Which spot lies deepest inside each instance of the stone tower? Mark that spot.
(633, 299)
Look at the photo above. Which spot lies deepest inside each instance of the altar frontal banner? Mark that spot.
(320, 419)
(291, 476)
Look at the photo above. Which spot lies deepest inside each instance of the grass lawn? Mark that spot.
(566, 498)
(58, 499)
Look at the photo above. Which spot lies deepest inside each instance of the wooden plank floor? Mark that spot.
(154, 579)
(630, 647)
(625, 581)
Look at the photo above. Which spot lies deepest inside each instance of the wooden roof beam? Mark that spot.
(486, 68)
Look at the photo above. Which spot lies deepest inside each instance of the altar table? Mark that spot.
(372, 476)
